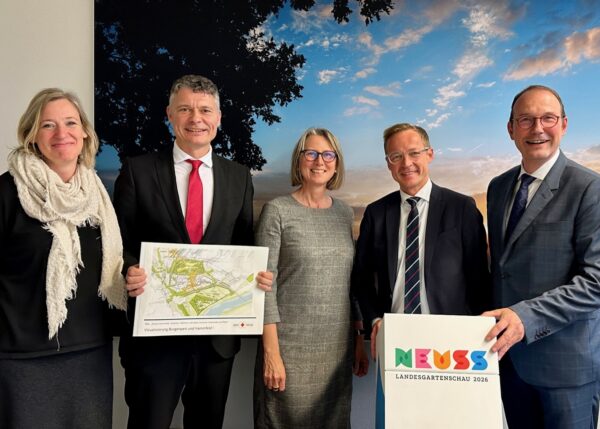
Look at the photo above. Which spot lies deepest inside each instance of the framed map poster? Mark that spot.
(198, 289)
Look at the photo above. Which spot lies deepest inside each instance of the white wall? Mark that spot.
(43, 44)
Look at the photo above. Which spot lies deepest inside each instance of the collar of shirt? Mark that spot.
(424, 193)
(180, 156)
(543, 171)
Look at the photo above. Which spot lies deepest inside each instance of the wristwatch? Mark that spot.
(359, 332)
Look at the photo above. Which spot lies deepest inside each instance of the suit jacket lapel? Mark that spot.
(392, 229)
(497, 210)
(167, 184)
(434, 218)
(542, 197)
(219, 184)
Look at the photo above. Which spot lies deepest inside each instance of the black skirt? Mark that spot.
(62, 391)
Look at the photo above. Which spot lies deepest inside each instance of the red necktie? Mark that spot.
(193, 213)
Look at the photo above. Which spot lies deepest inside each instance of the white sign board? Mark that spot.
(436, 371)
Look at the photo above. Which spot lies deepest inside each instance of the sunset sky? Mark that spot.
(451, 66)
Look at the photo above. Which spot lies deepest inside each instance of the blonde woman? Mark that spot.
(60, 270)
(303, 375)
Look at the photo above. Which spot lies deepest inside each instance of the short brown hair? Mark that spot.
(29, 125)
(398, 128)
(338, 177)
(196, 83)
(543, 88)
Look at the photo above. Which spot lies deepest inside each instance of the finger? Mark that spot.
(136, 292)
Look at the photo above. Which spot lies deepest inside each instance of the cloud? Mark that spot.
(306, 21)
(486, 84)
(357, 110)
(447, 93)
(579, 46)
(390, 90)
(431, 112)
(560, 56)
(365, 100)
(488, 21)
(326, 76)
(470, 64)
(406, 38)
(366, 40)
(439, 120)
(548, 61)
(455, 149)
(361, 74)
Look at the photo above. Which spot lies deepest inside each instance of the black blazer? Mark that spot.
(148, 209)
(456, 268)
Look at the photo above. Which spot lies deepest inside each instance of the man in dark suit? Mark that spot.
(452, 275)
(544, 226)
(151, 197)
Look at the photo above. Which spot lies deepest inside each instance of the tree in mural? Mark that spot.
(142, 46)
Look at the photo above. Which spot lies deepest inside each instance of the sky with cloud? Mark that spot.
(452, 66)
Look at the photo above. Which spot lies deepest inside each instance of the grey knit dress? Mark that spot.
(310, 253)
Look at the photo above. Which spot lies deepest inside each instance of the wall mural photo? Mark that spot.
(354, 67)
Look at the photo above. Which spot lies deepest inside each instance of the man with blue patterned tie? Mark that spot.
(422, 249)
(544, 226)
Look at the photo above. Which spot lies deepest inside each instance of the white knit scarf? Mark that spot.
(62, 207)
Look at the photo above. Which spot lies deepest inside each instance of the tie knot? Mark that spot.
(195, 163)
(413, 201)
(526, 180)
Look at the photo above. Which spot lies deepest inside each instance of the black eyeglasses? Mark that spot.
(312, 155)
(396, 157)
(526, 122)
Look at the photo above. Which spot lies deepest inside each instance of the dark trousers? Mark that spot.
(158, 371)
(534, 407)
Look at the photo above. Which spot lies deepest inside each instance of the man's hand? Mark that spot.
(264, 280)
(508, 326)
(135, 280)
(374, 330)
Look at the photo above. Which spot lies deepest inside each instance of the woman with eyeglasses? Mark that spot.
(310, 344)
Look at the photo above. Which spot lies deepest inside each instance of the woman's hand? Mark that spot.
(135, 280)
(361, 360)
(264, 280)
(274, 372)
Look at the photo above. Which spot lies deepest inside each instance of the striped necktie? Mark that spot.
(412, 277)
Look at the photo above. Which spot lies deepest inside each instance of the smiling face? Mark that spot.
(60, 136)
(318, 172)
(410, 173)
(537, 144)
(195, 118)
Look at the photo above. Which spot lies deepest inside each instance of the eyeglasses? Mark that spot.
(312, 155)
(526, 122)
(396, 157)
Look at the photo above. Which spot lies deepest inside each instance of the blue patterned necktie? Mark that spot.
(519, 205)
(412, 277)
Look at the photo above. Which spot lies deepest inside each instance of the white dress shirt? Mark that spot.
(182, 176)
(423, 207)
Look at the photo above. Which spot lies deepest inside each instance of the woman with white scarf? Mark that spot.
(60, 271)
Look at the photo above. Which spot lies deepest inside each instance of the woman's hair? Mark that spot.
(29, 125)
(338, 177)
